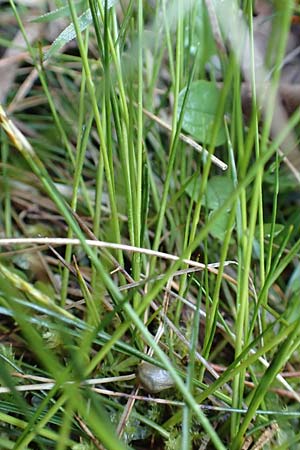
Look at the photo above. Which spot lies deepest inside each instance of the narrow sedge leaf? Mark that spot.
(69, 33)
(281, 357)
(56, 14)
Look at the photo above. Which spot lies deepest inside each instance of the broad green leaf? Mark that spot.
(217, 192)
(219, 189)
(69, 32)
(278, 228)
(219, 226)
(200, 111)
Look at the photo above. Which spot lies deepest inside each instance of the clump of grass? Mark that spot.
(125, 239)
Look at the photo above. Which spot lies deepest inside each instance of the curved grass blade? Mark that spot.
(69, 33)
(57, 13)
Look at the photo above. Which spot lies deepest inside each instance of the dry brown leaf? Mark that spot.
(8, 71)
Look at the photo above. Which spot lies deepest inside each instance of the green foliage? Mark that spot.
(168, 260)
(69, 33)
(218, 190)
(200, 112)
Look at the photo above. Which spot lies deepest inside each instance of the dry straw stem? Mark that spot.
(111, 245)
(188, 140)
